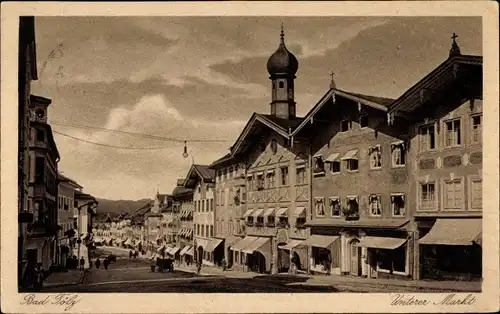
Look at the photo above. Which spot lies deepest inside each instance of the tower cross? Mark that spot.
(332, 74)
(454, 36)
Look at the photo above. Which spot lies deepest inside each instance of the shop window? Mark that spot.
(319, 206)
(319, 165)
(260, 182)
(344, 125)
(453, 194)
(476, 193)
(392, 260)
(375, 205)
(477, 129)
(284, 176)
(398, 154)
(335, 209)
(301, 175)
(453, 133)
(398, 205)
(428, 196)
(335, 166)
(375, 157)
(270, 180)
(363, 121)
(427, 138)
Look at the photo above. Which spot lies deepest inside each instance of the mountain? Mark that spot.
(114, 208)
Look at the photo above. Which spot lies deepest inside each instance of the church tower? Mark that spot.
(282, 67)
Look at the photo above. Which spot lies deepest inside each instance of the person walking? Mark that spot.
(198, 267)
(224, 264)
(82, 263)
(106, 263)
(97, 263)
(39, 277)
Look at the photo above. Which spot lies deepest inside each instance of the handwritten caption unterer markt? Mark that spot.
(451, 299)
(66, 300)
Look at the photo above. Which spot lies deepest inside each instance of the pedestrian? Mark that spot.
(90, 263)
(106, 263)
(198, 268)
(82, 263)
(97, 263)
(224, 264)
(130, 254)
(74, 265)
(39, 276)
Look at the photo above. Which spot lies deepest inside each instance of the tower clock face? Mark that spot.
(274, 146)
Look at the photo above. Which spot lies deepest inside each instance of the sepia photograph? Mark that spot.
(250, 154)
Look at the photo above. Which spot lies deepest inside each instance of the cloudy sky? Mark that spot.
(200, 78)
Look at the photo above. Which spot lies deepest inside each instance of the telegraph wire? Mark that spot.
(150, 136)
(107, 145)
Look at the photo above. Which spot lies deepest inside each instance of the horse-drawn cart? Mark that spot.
(164, 264)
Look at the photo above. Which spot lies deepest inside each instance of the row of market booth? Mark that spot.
(112, 241)
(181, 254)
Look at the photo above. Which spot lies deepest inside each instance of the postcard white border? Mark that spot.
(248, 303)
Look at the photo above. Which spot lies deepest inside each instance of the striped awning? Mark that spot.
(184, 250)
(268, 212)
(257, 212)
(247, 213)
(282, 212)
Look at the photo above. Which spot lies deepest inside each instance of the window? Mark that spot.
(452, 133)
(375, 205)
(476, 193)
(319, 165)
(40, 135)
(375, 157)
(223, 197)
(352, 164)
(344, 125)
(250, 183)
(39, 169)
(260, 221)
(300, 222)
(477, 129)
(335, 166)
(270, 220)
(301, 175)
(198, 230)
(206, 231)
(284, 176)
(249, 220)
(211, 230)
(212, 205)
(363, 121)
(281, 84)
(270, 180)
(398, 205)
(428, 196)
(335, 210)
(225, 174)
(319, 205)
(453, 194)
(260, 181)
(398, 154)
(352, 206)
(427, 138)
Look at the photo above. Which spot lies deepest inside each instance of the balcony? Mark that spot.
(261, 230)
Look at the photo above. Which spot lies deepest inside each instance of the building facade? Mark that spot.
(65, 207)
(207, 249)
(155, 233)
(445, 162)
(230, 199)
(42, 188)
(84, 210)
(184, 208)
(27, 71)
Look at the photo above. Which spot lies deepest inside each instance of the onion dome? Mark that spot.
(282, 61)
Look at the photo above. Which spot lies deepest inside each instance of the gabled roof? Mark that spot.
(278, 125)
(179, 190)
(223, 160)
(140, 211)
(407, 101)
(379, 103)
(199, 173)
(63, 178)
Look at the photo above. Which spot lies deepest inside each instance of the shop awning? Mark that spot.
(190, 251)
(268, 212)
(128, 242)
(381, 242)
(184, 250)
(213, 244)
(333, 157)
(352, 154)
(243, 243)
(282, 212)
(290, 245)
(300, 211)
(453, 231)
(257, 212)
(161, 249)
(174, 250)
(202, 242)
(247, 213)
(319, 241)
(257, 246)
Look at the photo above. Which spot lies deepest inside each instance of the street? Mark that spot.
(134, 275)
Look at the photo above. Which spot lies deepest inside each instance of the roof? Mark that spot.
(224, 159)
(199, 173)
(40, 100)
(139, 212)
(283, 123)
(282, 61)
(63, 178)
(205, 172)
(178, 190)
(376, 102)
(407, 100)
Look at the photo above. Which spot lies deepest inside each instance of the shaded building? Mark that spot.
(84, 212)
(444, 110)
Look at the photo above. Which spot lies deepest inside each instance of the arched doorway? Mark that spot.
(257, 262)
(354, 258)
(200, 254)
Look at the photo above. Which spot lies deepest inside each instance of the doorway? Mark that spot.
(229, 257)
(354, 258)
(200, 254)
